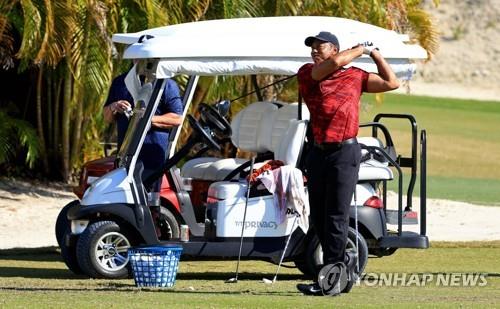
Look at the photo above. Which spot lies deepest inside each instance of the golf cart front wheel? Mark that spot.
(102, 251)
(62, 222)
(68, 251)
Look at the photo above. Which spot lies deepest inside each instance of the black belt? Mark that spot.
(335, 146)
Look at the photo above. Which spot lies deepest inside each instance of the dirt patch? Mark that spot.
(29, 211)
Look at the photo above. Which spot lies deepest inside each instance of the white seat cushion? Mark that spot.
(374, 170)
(225, 189)
(195, 168)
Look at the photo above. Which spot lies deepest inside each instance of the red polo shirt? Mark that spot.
(333, 102)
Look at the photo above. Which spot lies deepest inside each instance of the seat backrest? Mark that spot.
(291, 144)
(283, 134)
(246, 126)
(275, 126)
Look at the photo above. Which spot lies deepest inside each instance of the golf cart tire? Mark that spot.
(68, 251)
(62, 222)
(312, 262)
(87, 246)
(380, 252)
(169, 225)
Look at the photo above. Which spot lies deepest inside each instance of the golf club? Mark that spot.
(235, 278)
(356, 228)
(267, 281)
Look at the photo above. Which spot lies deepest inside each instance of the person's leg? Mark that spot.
(316, 191)
(343, 168)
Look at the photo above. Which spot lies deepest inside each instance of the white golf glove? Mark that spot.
(368, 47)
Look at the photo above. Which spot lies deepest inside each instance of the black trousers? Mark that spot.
(332, 176)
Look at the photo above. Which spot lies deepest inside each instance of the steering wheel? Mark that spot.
(205, 136)
(211, 117)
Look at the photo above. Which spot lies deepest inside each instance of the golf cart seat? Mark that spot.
(373, 168)
(259, 128)
(286, 148)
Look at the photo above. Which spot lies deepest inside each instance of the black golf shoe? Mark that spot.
(310, 289)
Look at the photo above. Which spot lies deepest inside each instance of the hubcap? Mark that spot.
(350, 247)
(111, 251)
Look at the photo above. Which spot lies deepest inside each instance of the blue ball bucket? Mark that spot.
(155, 266)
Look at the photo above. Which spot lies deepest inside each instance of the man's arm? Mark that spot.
(166, 121)
(385, 80)
(335, 62)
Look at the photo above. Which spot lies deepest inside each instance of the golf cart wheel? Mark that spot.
(102, 251)
(168, 224)
(62, 222)
(68, 251)
(314, 254)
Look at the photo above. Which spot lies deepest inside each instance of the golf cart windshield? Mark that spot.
(146, 95)
(127, 147)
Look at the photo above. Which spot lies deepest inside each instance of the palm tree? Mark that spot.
(66, 46)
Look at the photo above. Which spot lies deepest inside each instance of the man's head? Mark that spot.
(323, 45)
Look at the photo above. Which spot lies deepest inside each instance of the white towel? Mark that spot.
(287, 185)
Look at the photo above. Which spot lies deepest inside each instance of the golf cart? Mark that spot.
(224, 213)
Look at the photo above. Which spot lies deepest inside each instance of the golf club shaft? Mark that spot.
(286, 246)
(244, 217)
(356, 228)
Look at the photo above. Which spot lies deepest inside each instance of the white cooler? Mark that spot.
(262, 218)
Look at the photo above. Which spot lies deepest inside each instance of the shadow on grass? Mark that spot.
(43, 254)
(127, 288)
(55, 273)
(38, 273)
(223, 276)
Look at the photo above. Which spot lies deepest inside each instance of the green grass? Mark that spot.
(463, 150)
(36, 278)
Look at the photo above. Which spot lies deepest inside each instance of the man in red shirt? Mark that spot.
(332, 94)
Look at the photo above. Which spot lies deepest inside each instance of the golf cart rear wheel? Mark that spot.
(313, 260)
(168, 225)
(102, 251)
(380, 252)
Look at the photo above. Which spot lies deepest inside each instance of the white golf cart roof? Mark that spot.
(263, 45)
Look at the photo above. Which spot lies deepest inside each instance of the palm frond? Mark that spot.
(6, 39)
(15, 132)
(425, 32)
(31, 36)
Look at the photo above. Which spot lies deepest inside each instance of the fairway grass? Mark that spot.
(37, 278)
(463, 143)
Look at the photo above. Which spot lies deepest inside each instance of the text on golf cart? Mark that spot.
(258, 224)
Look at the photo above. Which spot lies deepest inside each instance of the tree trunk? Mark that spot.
(50, 114)
(66, 125)
(57, 116)
(39, 118)
(77, 129)
(77, 96)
